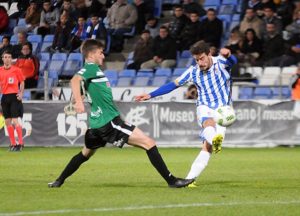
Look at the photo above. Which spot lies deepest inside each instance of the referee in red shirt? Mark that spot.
(12, 88)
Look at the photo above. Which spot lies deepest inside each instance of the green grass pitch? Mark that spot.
(123, 182)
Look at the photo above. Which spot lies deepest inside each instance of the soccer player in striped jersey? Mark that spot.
(105, 122)
(211, 76)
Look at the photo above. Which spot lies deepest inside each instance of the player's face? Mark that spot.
(98, 56)
(203, 60)
(7, 59)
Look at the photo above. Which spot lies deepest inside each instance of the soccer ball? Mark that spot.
(225, 116)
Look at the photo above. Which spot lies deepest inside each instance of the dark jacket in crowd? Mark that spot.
(164, 48)
(211, 31)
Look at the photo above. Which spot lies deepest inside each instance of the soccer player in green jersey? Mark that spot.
(104, 119)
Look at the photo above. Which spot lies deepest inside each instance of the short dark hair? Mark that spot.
(27, 44)
(6, 37)
(90, 45)
(7, 51)
(199, 48)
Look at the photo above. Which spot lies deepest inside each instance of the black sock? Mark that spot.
(160, 165)
(72, 166)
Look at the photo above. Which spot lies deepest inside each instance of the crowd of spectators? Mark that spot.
(268, 32)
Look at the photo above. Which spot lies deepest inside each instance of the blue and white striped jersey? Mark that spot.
(213, 85)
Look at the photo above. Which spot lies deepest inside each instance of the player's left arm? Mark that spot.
(21, 90)
(228, 58)
(164, 89)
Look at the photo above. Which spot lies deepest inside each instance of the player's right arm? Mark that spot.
(75, 85)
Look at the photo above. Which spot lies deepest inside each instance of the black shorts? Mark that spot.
(115, 132)
(11, 106)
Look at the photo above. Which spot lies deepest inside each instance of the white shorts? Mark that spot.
(203, 113)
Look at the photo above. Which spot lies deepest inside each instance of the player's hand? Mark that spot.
(225, 52)
(19, 96)
(79, 107)
(142, 97)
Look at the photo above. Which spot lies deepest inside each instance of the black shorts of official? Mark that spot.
(115, 132)
(11, 106)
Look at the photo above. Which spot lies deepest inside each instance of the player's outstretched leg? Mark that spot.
(71, 167)
(138, 138)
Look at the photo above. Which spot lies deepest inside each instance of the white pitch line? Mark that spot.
(149, 207)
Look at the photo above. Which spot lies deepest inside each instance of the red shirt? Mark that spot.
(296, 91)
(10, 79)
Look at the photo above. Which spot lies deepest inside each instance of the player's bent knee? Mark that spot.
(88, 152)
(209, 122)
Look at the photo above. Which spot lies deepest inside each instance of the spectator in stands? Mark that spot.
(16, 49)
(252, 21)
(153, 26)
(62, 35)
(285, 12)
(273, 46)
(5, 45)
(190, 34)
(191, 93)
(32, 18)
(144, 10)
(142, 51)
(49, 19)
(97, 7)
(251, 48)
(29, 65)
(235, 41)
(190, 6)
(164, 51)
(69, 8)
(78, 34)
(294, 27)
(297, 9)
(177, 23)
(211, 28)
(22, 7)
(295, 81)
(96, 30)
(4, 20)
(292, 53)
(121, 19)
(270, 17)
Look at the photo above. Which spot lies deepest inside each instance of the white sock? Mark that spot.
(199, 164)
(209, 133)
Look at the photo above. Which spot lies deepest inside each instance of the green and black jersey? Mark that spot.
(98, 91)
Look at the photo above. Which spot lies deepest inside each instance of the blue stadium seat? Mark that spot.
(124, 81)
(129, 59)
(142, 81)
(14, 39)
(70, 68)
(59, 56)
(245, 93)
(108, 44)
(49, 38)
(41, 84)
(282, 92)
(44, 56)
(127, 73)
(159, 80)
(22, 22)
(43, 67)
(35, 38)
(236, 17)
(212, 2)
(186, 54)
(225, 17)
(262, 93)
(112, 76)
(131, 33)
(45, 45)
(184, 62)
(35, 48)
(145, 73)
(76, 57)
(229, 2)
(157, 8)
(1, 36)
(163, 72)
(56, 65)
(216, 7)
(227, 9)
(178, 71)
